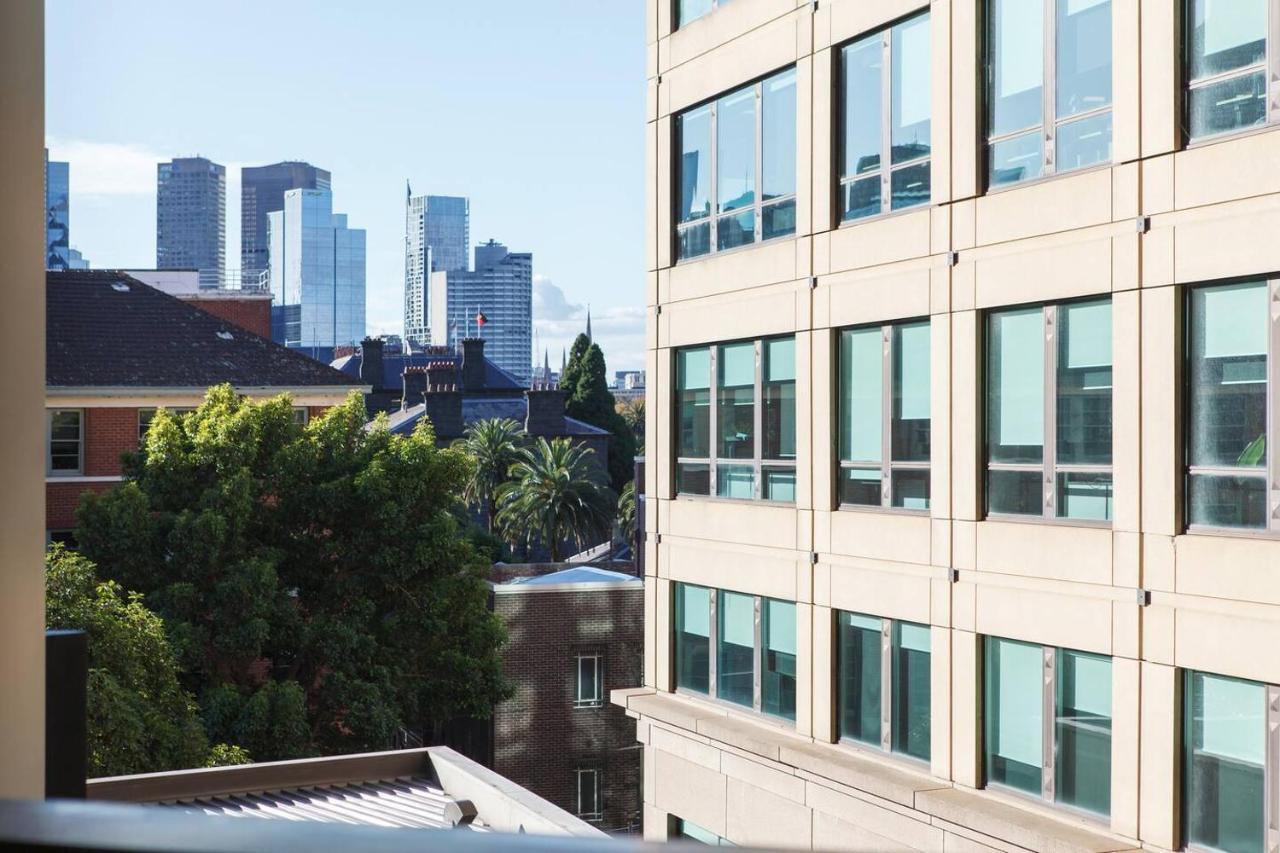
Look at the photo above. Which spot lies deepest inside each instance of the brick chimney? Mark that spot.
(444, 410)
(371, 362)
(544, 413)
(472, 364)
(441, 372)
(415, 385)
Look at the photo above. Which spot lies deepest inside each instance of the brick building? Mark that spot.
(573, 635)
(247, 307)
(118, 349)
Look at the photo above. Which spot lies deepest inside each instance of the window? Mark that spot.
(691, 10)
(1048, 66)
(754, 644)
(1226, 65)
(589, 692)
(66, 442)
(589, 807)
(1229, 343)
(1049, 411)
(752, 419)
(724, 148)
(886, 120)
(690, 831)
(1227, 762)
(1047, 723)
(300, 415)
(883, 683)
(884, 416)
(145, 416)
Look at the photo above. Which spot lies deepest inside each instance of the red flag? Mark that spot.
(481, 319)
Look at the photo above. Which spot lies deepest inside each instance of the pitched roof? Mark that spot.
(107, 330)
(495, 378)
(578, 574)
(403, 422)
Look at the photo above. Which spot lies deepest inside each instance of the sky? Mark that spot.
(532, 109)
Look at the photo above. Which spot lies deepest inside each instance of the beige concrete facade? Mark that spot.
(1162, 215)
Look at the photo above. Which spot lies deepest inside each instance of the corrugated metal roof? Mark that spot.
(413, 801)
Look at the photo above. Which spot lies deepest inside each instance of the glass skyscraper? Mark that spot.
(317, 274)
(57, 213)
(437, 232)
(262, 190)
(191, 215)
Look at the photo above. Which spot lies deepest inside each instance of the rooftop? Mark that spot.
(404, 421)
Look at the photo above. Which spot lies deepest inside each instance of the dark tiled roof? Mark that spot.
(105, 329)
(495, 378)
(483, 409)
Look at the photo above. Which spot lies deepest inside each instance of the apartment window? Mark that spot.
(884, 416)
(1047, 723)
(886, 120)
(1049, 411)
(691, 10)
(66, 442)
(1229, 342)
(1227, 763)
(300, 415)
(736, 647)
(588, 784)
(1226, 65)
(736, 174)
(1048, 65)
(883, 683)
(752, 419)
(589, 683)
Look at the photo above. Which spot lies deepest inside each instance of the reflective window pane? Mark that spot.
(1223, 35)
(911, 85)
(778, 658)
(1083, 55)
(694, 129)
(735, 648)
(1015, 40)
(735, 396)
(860, 198)
(1227, 373)
(693, 637)
(911, 689)
(694, 240)
(1016, 159)
(858, 677)
(1225, 501)
(909, 186)
(911, 393)
(779, 391)
(736, 481)
(1014, 492)
(1082, 727)
(778, 219)
(1084, 142)
(736, 229)
(779, 135)
(861, 394)
(1084, 496)
(690, 10)
(1084, 383)
(1232, 104)
(1013, 714)
(910, 489)
(736, 150)
(1015, 386)
(860, 486)
(693, 403)
(780, 484)
(863, 62)
(1224, 762)
(693, 479)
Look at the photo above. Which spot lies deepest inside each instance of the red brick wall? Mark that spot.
(108, 434)
(61, 500)
(253, 315)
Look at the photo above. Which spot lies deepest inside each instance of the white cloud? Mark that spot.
(108, 168)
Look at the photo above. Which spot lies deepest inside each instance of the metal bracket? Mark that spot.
(813, 282)
(813, 558)
(953, 259)
(657, 538)
(657, 309)
(955, 576)
(814, 5)
(1143, 224)
(1144, 597)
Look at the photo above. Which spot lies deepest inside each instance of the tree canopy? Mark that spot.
(589, 400)
(315, 581)
(556, 494)
(492, 445)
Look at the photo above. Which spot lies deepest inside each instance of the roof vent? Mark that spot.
(226, 336)
(119, 287)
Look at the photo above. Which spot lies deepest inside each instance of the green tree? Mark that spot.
(589, 400)
(627, 512)
(315, 581)
(632, 412)
(492, 445)
(556, 494)
(140, 719)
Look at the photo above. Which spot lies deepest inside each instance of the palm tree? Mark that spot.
(627, 512)
(558, 492)
(493, 445)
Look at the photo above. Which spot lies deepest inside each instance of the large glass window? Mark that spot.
(65, 454)
(691, 10)
(588, 785)
(883, 683)
(886, 120)
(1226, 65)
(884, 399)
(753, 420)
(1048, 87)
(589, 681)
(754, 644)
(736, 173)
(1228, 396)
(1226, 762)
(1049, 411)
(1027, 686)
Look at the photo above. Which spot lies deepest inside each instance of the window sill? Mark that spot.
(1045, 179)
(1231, 532)
(736, 250)
(716, 499)
(1228, 136)
(843, 224)
(885, 510)
(1053, 522)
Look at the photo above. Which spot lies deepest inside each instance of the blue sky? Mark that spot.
(533, 109)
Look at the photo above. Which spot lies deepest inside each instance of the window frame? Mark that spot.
(675, 13)
(597, 663)
(757, 461)
(49, 470)
(1050, 124)
(1048, 467)
(1270, 66)
(597, 814)
(887, 167)
(759, 203)
(887, 464)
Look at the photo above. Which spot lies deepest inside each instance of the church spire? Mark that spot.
(588, 322)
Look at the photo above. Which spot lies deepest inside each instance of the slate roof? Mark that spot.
(107, 330)
(484, 408)
(495, 378)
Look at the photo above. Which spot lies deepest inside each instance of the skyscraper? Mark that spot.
(317, 274)
(437, 231)
(501, 288)
(262, 190)
(57, 212)
(191, 219)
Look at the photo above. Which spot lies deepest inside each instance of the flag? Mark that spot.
(481, 319)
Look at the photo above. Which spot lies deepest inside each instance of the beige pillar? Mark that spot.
(22, 427)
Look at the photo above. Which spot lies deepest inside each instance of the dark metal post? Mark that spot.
(65, 738)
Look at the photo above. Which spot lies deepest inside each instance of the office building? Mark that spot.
(500, 288)
(57, 213)
(961, 477)
(191, 216)
(262, 190)
(317, 275)
(437, 232)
